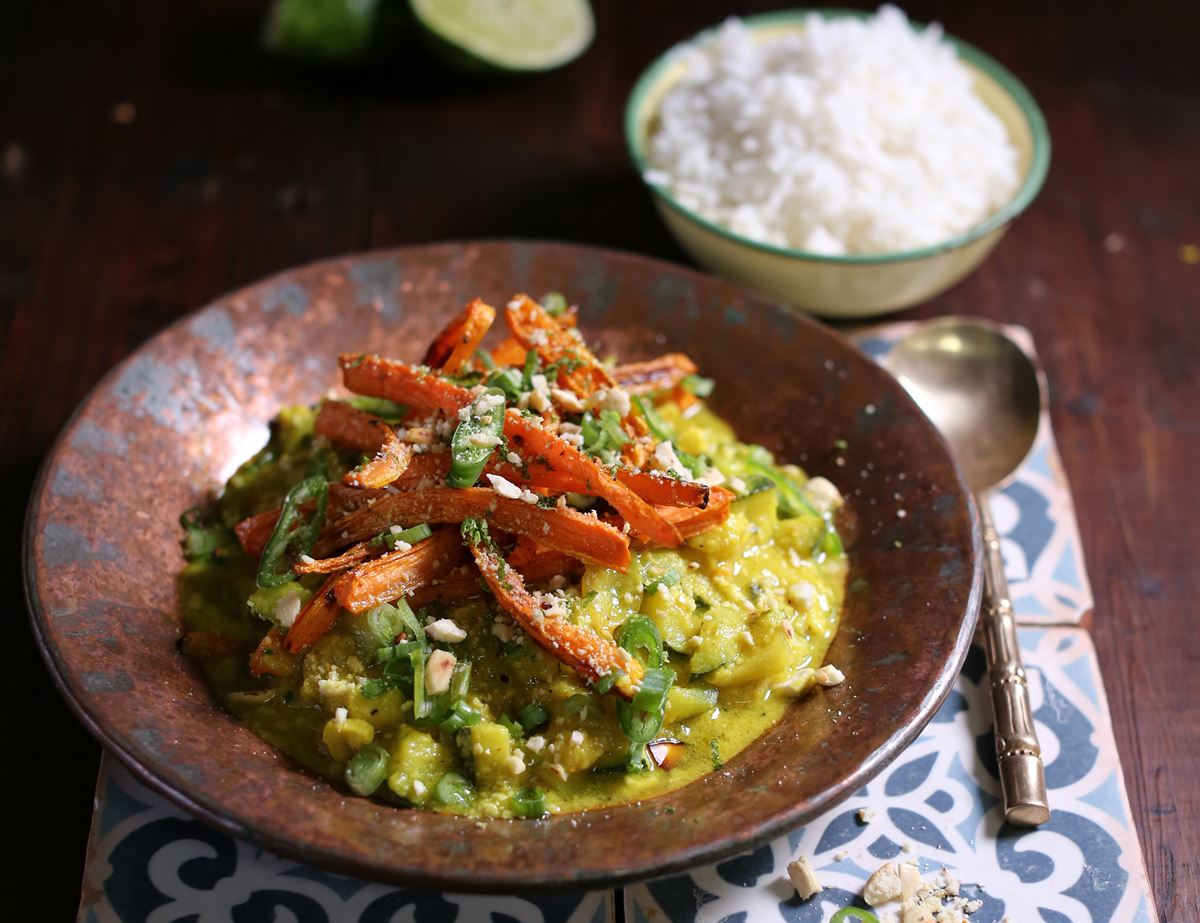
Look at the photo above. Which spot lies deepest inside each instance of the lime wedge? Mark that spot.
(321, 30)
(507, 35)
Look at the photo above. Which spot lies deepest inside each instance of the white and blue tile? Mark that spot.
(938, 805)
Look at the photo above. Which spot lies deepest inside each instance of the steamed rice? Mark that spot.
(853, 136)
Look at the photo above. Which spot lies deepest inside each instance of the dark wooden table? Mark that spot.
(151, 159)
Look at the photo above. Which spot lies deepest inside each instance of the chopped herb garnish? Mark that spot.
(714, 749)
(533, 716)
(378, 406)
(698, 385)
(554, 303)
(529, 802)
(669, 579)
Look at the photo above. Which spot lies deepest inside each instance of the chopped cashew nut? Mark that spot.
(438, 668)
(829, 675)
(882, 886)
(804, 878)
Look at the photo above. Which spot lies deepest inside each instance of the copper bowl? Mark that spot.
(164, 429)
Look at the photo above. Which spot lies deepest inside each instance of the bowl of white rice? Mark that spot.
(845, 163)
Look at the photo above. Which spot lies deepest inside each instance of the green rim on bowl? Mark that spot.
(1035, 175)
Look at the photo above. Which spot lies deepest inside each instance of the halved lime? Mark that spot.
(508, 35)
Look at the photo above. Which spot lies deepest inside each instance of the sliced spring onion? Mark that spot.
(486, 358)
(554, 303)
(385, 624)
(381, 407)
(606, 682)
(409, 536)
(654, 584)
(642, 718)
(531, 366)
(657, 426)
(847, 914)
(453, 791)
(467, 458)
(830, 543)
(422, 706)
(461, 716)
(533, 716)
(460, 680)
(576, 703)
(698, 385)
(367, 769)
(287, 534)
(508, 381)
(602, 433)
(515, 731)
(374, 688)
(529, 802)
(792, 502)
(640, 636)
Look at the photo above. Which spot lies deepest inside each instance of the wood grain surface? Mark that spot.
(151, 159)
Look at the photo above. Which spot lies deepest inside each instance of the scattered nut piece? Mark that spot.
(829, 675)
(804, 878)
(865, 815)
(910, 881)
(882, 886)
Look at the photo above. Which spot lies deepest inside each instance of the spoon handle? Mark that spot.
(1022, 775)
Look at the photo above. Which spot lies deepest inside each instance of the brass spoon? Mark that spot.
(986, 396)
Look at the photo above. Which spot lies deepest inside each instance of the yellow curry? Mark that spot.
(464, 679)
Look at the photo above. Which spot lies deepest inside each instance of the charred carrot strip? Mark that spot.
(659, 374)
(424, 391)
(539, 477)
(316, 618)
(398, 573)
(456, 344)
(404, 384)
(533, 441)
(344, 425)
(270, 657)
(391, 461)
(524, 551)
(509, 352)
(356, 554)
(590, 655)
(468, 585)
(581, 371)
(566, 530)
(535, 328)
(252, 533)
(693, 522)
(664, 490)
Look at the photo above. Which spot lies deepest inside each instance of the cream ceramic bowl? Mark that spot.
(858, 285)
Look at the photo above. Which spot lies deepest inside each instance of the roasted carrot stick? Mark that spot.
(692, 522)
(467, 585)
(524, 551)
(583, 537)
(659, 374)
(344, 425)
(456, 344)
(532, 440)
(270, 657)
(389, 463)
(316, 618)
(664, 490)
(590, 655)
(355, 554)
(580, 371)
(510, 352)
(404, 384)
(535, 328)
(398, 573)
(252, 533)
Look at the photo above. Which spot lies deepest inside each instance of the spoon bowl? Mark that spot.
(979, 388)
